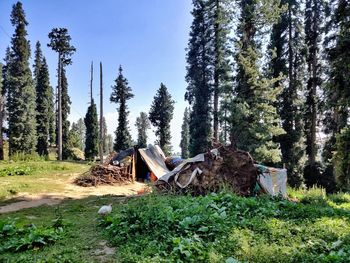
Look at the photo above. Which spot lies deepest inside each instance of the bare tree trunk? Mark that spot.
(216, 74)
(101, 116)
(91, 79)
(59, 139)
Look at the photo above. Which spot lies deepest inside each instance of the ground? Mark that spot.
(45, 190)
(310, 227)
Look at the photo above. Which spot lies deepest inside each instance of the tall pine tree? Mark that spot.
(2, 113)
(185, 135)
(160, 115)
(60, 42)
(44, 108)
(121, 94)
(254, 119)
(220, 19)
(337, 94)
(287, 35)
(91, 137)
(44, 101)
(199, 78)
(21, 91)
(142, 124)
(314, 19)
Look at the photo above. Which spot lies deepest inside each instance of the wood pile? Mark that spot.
(231, 168)
(105, 174)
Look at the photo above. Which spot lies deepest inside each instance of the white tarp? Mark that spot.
(181, 167)
(273, 180)
(154, 158)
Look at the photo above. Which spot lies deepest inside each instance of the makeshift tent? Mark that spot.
(150, 159)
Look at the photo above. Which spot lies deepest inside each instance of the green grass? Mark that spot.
(37, 176)
(227, 228)
(81, 236)
(166, 228)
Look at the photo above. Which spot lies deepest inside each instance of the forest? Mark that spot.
(267, 77)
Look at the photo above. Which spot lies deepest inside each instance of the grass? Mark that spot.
(167, 228)
(81, 238)
(226, 228)
(35, 176)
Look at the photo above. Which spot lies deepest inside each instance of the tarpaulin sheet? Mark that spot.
(273, 180)
(154, 159)
(183, 166)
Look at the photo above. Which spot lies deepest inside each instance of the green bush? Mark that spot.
(15, 238)
(224, 227)
(16, 170)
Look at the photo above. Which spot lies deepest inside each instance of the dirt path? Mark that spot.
(71, 191)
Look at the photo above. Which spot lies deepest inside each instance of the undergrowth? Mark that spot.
(224, 227)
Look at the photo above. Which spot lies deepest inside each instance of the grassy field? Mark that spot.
(35, 176)
(166, 228)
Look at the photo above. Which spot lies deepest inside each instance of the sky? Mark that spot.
(147, 37)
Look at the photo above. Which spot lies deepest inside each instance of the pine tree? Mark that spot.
(185, 135)
(254, 119)
(287, 35)
(81, 130)
(342, 159)
(220, 20)
(160, 115)
(66, 102)
(74, 140)
(105, 139)
(121, 94)
(3, 95)
(199, 78)
(2, 113)
(21, 91)
(44, 107)
(60, 42)
(336, 91)
(314, 19)
(91, 124)
(109, 143)
(142, 124)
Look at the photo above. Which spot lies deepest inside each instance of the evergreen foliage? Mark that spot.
(254, 120)
(2, 113)
(66, 102)
(220, 18)
(160, 115)
(75, 138)
(44, 105)
(44, 101)
(185, 135)
(121, 94)
(199, 78)
(60, 42)
(287, 34)
(342, 159)
(91, 138)
(21, 91)
(142, 124)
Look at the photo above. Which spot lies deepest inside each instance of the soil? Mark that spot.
(71, 191)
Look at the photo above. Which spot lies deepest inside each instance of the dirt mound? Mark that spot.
(105, 174)
(222, 166)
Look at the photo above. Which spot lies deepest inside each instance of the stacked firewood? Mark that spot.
(105, 174)
(226, 168)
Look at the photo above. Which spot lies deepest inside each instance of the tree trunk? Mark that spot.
(216, 73)
(59, 139)
(101, 116)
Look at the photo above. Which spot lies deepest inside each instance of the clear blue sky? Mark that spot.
(147, 37)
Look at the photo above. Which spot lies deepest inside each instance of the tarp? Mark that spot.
(154, 158)
(183, 166)
(273, 180)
